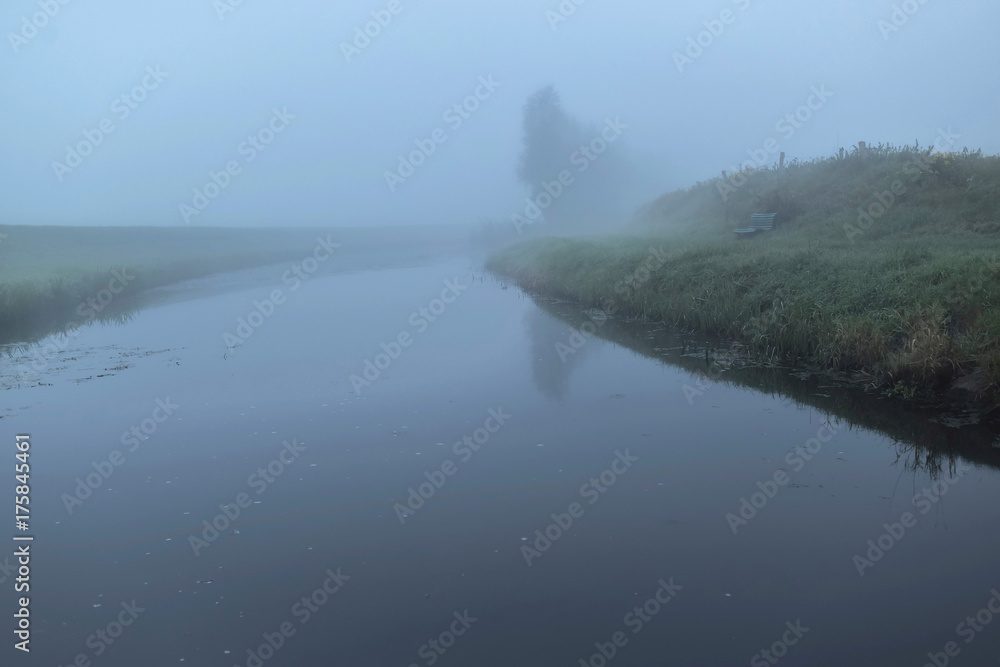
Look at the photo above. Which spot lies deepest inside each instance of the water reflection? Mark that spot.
(667, 517)
(928, 436)
(555, 353)
(20, 338)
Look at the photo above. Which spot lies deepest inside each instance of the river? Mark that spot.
(423, 465)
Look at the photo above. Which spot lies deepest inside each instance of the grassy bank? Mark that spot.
(905, 293)
(54, 278)
(927, 435)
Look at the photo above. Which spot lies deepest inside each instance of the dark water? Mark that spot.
(641, 461)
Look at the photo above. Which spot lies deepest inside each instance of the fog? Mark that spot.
(203, 77)
(291, 376)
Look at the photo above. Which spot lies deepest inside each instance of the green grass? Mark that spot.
(911, 301)
(48, 275)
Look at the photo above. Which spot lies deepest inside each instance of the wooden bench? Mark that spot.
(759, 222)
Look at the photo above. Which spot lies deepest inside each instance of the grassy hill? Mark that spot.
(885, 262)
(881, 192)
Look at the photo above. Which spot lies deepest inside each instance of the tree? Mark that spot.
(550, 136)
(553, 142)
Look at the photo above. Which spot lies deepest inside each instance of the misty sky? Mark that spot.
(211, 82)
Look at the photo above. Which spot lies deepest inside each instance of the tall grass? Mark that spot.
(910, 302)
(953, 193)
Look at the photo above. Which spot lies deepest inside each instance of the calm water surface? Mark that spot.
(506, 425)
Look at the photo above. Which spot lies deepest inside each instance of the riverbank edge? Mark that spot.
(33, 311)
(637, 279)
(57, 279)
